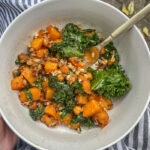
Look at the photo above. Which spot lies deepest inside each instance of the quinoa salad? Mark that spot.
(56, 83)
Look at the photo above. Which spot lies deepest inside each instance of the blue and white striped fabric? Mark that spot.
(139, 137)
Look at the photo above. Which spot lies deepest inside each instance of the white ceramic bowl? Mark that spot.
(134, 55)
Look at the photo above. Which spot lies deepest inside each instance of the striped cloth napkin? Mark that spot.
(139, 137)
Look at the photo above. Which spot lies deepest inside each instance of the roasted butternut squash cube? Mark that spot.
(54, 34)
(77, 62)
(64, 69)
(90, 108)
(42, 52)
(40, 33)
(86, 86)
(36, 93)
(37, 43)
(74, 126)
(105, 103)
(49, 93)
(50, 110)
(45, 83)
(72, 79)
(50, 66)
(102, 117)
(33, 105)
(28, 75)
(81, 99)
(67, 119)
(22, 96)
(47, 120)
(17, 83)
(58, 41)
(92, 96)
(77, 110)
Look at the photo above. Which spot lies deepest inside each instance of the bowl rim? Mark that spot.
(136, 29)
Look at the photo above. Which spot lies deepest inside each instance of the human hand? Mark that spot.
(7, 138)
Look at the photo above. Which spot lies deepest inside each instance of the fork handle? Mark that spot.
(127, 25)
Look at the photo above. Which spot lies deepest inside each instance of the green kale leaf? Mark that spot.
(17, 61)
(115, 66)
(75, 42)
(78, 87)
(63, 95)
(108, 54)
(38, 112)
(84, 121)
(38, 83)
(28, 93)
(111, 83)
(64, 114)
(65, 51)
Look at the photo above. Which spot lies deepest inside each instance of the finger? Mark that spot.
(9, 139)
(2, 130)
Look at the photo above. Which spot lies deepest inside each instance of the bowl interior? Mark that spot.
(134, 58)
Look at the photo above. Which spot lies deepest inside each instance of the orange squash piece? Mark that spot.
(45, 83)
(50, 110)
(22, 96)
(49, 93)
(50, 66)
(36, 93)
(77, 62)
(42, 52)
(58, 41)
(86, 86)
(81, 99)
(77, 110)
(67, 119)
(37, 43)
(92, 96)
(33, 105)
(72, 79)
(28, 75)
(46, 119)
(17, 83)
(82, 77)
(74, 126)
(102, 117)
(89, 76)
(91, 108)
(40, 33)
(105, 103)
(54, 34)
(60, 77)
(64, 69)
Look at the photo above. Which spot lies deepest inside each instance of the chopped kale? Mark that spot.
(64, 93)
(17, 61)
(80, 119)
(89, 69)
(112, 83)
(28, 93)
(75, 42)
(108, 54)
(115, 66)
(39, 82)
(64, 114)
(78, 87)
(38, 112)
(18, 73)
